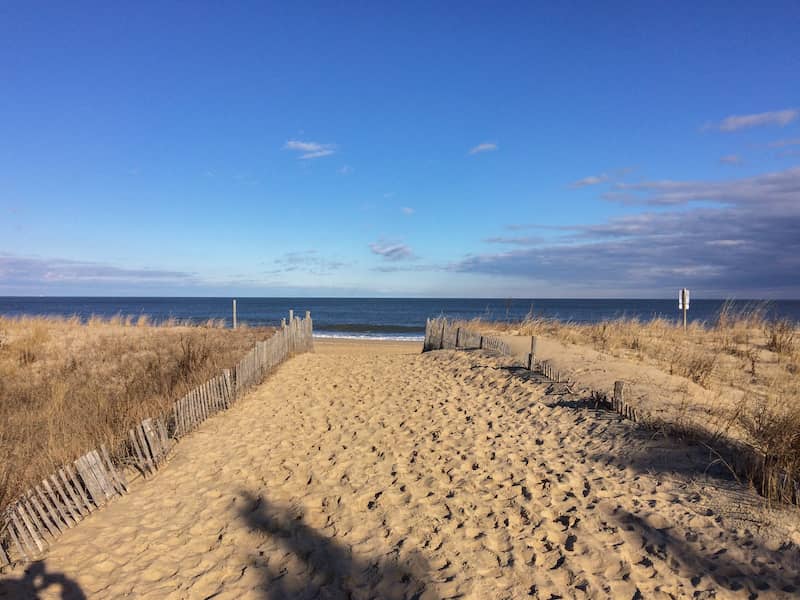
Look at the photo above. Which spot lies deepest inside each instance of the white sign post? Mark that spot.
(234, 313)
(683, 304)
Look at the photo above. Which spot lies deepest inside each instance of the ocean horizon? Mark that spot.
(379, 318)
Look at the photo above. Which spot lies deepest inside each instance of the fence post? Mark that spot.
(619, 394)
(532, 355)
(441, 340)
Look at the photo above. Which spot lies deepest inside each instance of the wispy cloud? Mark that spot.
(392, 251)
(784, 143)
(407, 210)
(345, 170)
(484, 147)
(614, 175)
(308, 261)
(780, 187)
(524, 226)
(20, 270)
(731, 159)
(591, 180)
(527, 240)
(752, 249)
(310, 149)
(780, 118)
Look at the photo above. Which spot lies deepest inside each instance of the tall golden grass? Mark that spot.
(66, 386)
(741, 351)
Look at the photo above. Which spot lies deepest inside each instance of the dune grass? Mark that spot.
(66, 385)
(741, 355)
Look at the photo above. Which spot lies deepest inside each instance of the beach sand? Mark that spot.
(371, 470)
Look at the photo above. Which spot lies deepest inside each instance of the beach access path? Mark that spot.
(370, 470)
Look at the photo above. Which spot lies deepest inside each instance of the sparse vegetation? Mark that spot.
(67, 386)
(751, 363)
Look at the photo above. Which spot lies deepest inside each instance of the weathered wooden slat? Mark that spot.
(228, 387)
(176, 418)
(117, 478)
(212, 394)
(148, 457)
(206, 400)
(73, 495)
(201, 412)
(99, 477)
(152, 441)
(182, 421)
(96, 494)
(4, 560)
(201, 403)
(36, 520)
(187, 419)
(35, 535)
(140, 459)
(104, 477)
(50, 509)
(161, 429)
(209, 398)
(180, 418)
(80, 487)
(207, 394)
(22, 538)
(91, 472)
(197, 415)
(218, 392)
(46, 525)
(194, 408)
(60, 502)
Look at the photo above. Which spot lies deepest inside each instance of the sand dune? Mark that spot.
(370, 470)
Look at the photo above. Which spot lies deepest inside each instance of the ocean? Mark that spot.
(381, 318)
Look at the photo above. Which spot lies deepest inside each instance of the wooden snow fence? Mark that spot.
(59, 503)
(34, 520)
(748, 462)
(442, 334)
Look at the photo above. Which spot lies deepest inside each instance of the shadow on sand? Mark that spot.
(36, 580)
(720, 567)
(310, 565)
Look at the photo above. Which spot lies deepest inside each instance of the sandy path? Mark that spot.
(380, 472)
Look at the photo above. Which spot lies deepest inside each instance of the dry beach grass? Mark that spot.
(370, 470)
(66, 385)
(743, 368)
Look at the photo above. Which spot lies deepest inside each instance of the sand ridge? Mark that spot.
(374, 471)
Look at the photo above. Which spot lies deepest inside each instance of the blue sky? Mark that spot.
(404, 149)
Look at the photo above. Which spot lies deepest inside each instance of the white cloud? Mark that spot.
(393, 251)
(591, 180)
(407, 210)
(780, 187)
(731, 159)
(345, 170)
(18, 270)
(310, 149)
(485, 147)
(744, 244)
(527, 240)
(308, 261)
(737, 122)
